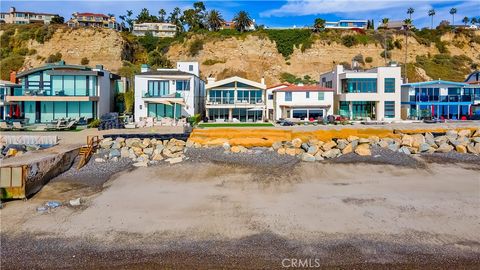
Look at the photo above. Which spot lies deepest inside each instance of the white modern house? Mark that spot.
(302, 102)
(157, 29)
(235, 99)
(270, 97)
(370, 94)
(175, 93)
(347, 24)
(14, 16)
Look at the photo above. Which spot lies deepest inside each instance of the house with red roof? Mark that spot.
(88, 19)
(15, 16)
(301, 102)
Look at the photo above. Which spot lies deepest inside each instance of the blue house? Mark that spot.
(57, 91)
(440, 100)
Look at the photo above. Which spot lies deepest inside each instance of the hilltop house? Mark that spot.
(440, 100)
(235, 99)
(14, 16)
(370, 94)
(173, 93)
(56, 91)
(157, 29)
(303, 102)
(231, 25)
(347, 24)
(87, 19)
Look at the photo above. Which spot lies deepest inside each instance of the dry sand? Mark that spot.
(153, 207)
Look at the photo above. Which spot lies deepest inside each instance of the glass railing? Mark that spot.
(220, 100)
(460, 98)
(43, 92)
(158, 95)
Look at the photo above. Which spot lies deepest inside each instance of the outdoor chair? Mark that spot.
(54, 126)
(5, 126)
(69, 126)
(18, 126)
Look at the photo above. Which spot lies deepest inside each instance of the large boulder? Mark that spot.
(476, 133)
(318, 156)
(363, 141)
(404, 150)
(407, 140)
(441, 140)
(148, 151)
(476, 139)
(471, 149)
(124, 153)
(429, 139)
(424, 147)
(226, 146)
(174, 160)
(465, 133)
(363, 150)
(347, 149)
(297, 142)
(444, 148)
(106, 143)
(341, 143)
(277, 145)
(383, 143)
(374, 139)
(452, 134)
(281, 151)
(461, 149)
(235, 149)
(352, 138)
(332, 153)
(114, 153)
(329, 145)
(308, 157)
(305, 146)
(417, 140)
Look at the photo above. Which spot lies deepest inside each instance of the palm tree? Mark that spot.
(407, 23)
(385, 25)
(410, 11)
(161, 15)
(242, 20)
(214, 20)
(453, 11)
(465, 20)
(431, 13)
(474, 21)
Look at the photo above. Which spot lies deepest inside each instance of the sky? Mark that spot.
(271, 13)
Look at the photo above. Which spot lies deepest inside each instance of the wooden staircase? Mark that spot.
(87, 150)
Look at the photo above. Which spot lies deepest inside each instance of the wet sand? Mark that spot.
(206, 215)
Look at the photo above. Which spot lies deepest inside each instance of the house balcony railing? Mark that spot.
(152, 95)
(226, 101)
(43, 92)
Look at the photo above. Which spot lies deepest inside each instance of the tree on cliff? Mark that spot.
(319, 25)
(195, 18)
(144, 16)
(161, 15)
(176, 19)
(242, 21)
(57, 20)
(128, 19)
(214, 20)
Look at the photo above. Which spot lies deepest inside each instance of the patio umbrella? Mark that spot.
(17, 112)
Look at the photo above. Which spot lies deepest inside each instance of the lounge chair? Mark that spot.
(69, 126)
(54, 126)
(5, 126)
(18, 126)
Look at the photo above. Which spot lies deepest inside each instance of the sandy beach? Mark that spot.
(354, 214)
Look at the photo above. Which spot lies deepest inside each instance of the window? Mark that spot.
(389, 85)
(270, 96)
(389, 109)
(158, 88)
(307, 94)
(288, 96)
(190, 67)
(359, 86)
(183, 85)
(321, 96)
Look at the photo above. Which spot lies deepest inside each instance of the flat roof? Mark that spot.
(304, 88)
(434, 82)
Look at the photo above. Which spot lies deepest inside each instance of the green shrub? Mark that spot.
(53, 58)
(286, 40)
(194, 120)
(398, 44)
(32, 52)
(195, 47)
(14, 62)
(445, 67)
(441, 46)
(349, 41)
(346, 65)
(389, 54)
(129, 100)
(20, 51)
(94, 123)
(359, 59)
(84, 61)
(368, 59)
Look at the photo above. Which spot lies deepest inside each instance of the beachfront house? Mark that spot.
(56, 91)
(8, 109)
(157, 29)
(372, 94)
(174, 92)
(347, 24)
(302, 102)
(97, 20)
(235, 99)
(270, 96)
(14, 16)
(440, 100)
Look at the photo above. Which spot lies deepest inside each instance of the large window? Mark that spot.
(288, 96)
(221, 96)
(183, 85)
(389, 109)
(158, 88)
(307, 94)
(389, 85)
(252, 96)
(359, 86)
(321, 96)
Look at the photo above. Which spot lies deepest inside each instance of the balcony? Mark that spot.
(231, 101)
(151, 95)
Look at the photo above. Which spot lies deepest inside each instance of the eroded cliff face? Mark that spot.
(254, 56)
(99, 46)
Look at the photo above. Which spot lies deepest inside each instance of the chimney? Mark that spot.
(99, 67)
(144, 68)
(210, 80)
(262, 80)
(13, 76)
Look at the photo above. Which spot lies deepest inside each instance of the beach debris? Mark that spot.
(75, 202)
(53, 204)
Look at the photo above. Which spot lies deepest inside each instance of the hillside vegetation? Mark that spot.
(296, 55)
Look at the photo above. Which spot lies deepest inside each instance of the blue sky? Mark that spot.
(271, 13)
